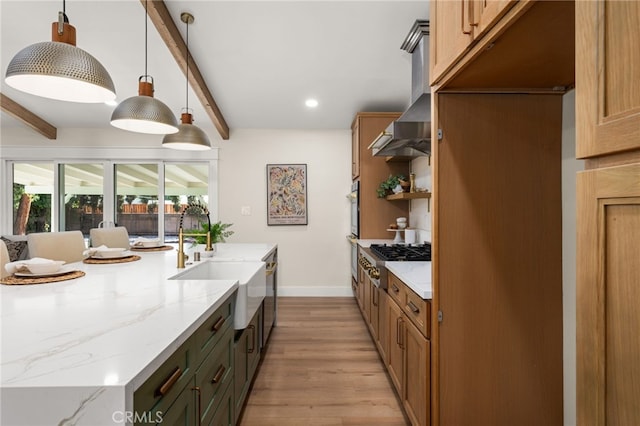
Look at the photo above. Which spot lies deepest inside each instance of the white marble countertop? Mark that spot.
(416, 275)
(77, 349)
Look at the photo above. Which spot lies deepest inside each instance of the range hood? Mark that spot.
(410, 134)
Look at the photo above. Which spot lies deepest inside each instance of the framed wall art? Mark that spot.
(286, 194)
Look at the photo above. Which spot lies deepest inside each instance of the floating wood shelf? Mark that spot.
(408, 195)
(411, 196)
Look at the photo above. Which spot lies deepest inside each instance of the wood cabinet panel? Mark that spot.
(450, 35)
(607, 75)
(486, 13)
(498, 250)
(396, 353)
(416, 399)
(608, 319)
(396, 289)
(418, 311)
(383, 329)
(375, 312)
(375, 213)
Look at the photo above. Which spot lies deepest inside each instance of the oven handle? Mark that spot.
(353, 240)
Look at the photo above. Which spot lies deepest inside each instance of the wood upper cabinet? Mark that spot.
(454, 27)
(608, 291)
(607, 77)
(375, 213)
(355, 150)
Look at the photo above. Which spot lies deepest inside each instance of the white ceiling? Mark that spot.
(260, 59)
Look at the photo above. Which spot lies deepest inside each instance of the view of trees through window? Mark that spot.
(135, 197)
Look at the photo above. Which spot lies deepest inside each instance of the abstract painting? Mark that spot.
(286, 194)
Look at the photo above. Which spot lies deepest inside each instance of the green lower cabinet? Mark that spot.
(224, 415)
(247, 358)
(181, 412)
(214, 376)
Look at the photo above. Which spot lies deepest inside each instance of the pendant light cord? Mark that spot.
(187, 52)
(145, 40)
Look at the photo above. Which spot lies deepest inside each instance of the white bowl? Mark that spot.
(401, 219)
(150, 243)
(48, 267)
(110, 252)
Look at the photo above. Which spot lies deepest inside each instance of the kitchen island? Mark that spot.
(74, 352)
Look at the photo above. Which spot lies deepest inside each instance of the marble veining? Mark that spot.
(78, 349)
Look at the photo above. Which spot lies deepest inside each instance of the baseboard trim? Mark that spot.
(315, 291)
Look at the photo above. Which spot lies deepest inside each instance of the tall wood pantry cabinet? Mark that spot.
(496, 345)
(376, 214)
(608, 212)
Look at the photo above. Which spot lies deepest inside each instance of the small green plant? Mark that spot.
(219, 232)
(387, 185)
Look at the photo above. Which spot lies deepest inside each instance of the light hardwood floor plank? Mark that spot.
(321, 368)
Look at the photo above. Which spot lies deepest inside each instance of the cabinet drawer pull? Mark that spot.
(413, 307)
(395, 288)
(168, 384)
(373, 296)
(253, 338)
(218, 325)
(398, 331)
(462, 27)
(218, 375)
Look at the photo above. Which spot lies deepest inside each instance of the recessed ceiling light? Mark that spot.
(311, 103)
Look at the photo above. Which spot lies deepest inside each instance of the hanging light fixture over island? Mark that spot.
(57, 69)
(144, 113)
(189, 136)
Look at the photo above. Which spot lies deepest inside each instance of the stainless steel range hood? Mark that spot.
(410, 134)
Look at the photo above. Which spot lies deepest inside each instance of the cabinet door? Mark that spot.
(375, 309)
(366, 301)
(355, 149)
(181, 411)
(383, 328)
(486, 13)
(607, 76)
(396, 353)
(253, 351)
(450, 35)
(417, 397)
(608, 295)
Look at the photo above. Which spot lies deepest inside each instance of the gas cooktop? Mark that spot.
(401, 252)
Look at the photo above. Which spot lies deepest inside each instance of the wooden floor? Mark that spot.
(321, 368)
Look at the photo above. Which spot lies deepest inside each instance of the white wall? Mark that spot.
(570, 166)
(313, 259)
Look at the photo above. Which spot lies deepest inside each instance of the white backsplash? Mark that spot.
(420, 215)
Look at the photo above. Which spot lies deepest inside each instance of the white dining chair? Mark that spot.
(110, 237)
(4, 259)
(66, 245)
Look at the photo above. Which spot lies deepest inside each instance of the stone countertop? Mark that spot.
(77, 349)
(416, 275)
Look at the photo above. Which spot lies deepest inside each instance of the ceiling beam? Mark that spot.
(169, 32)
(20, 113)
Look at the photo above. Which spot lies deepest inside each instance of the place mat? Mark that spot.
(131, 258)
(161, 248)
(13, 280)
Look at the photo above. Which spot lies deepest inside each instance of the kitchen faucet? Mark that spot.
(181, 255)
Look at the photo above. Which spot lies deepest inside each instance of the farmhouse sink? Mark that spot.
(252, 284)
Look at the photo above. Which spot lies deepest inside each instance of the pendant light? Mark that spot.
(144, 113)
(189, 136)
(57, 69)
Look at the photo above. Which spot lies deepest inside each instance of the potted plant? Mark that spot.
(219, 232)
(387, 186)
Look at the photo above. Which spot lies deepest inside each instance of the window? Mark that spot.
(72, 193)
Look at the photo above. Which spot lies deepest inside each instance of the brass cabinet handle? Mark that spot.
(218, 325)
(398, 331)
(395, 288)
(271, 268)
(401, 334)
(253, 338)
(413, 307)
(373, 299)
(168, 384)
(219, 374)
